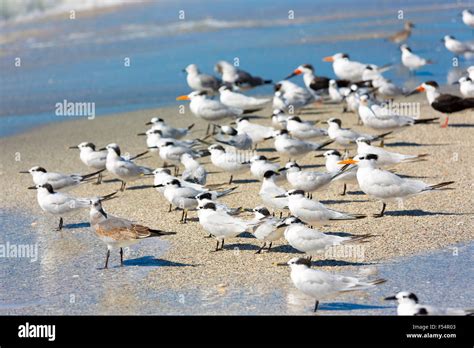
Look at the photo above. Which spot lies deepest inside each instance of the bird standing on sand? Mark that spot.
(92, 158)
(201, 82)
(319, 284)
(387, 186)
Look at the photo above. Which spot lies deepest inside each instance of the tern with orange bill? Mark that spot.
(346, 69)
(444, 103)
(386, 186)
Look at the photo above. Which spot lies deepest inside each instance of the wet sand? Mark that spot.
(427, 222)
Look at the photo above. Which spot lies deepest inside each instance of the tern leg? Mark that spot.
(261, 248)
(185, 213)
(222, 245)
(61, 222)
(382, 143)
(99, 179)
(169, 210)
(208, 128)
(121, 257)
(182, 217)
(281, 214)
(344, 190)
(122, 188)
(107, 259)
(316, 306)
(445, 124)
(231, 178)
(269, 246)
(217, 247)
(383, 211)
(209, 236)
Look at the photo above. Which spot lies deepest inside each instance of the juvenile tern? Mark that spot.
(319, 284)
(408, 305)
(92, 158)
(314, 212)
(387, 186)
(402, 35)
(116, 232)
(58, 180)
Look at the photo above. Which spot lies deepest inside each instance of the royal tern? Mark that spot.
(402, 35)
(58, 181)
(168, 131)
(231, 162)
(444, 103)
(308, 181)
(271, 194)
(349, 176)
(313, 242)
(387, 186)
(346, 137)
(220, 224)
(385, 158)
(207, 109)
(259, 165)
(408, 305)
(267, 229)
(381, 118)
(319, 284)
(124, 169)
(294, 148)
(92, 158)
(184, 197)
(303, 129)
(240, 78)
(201, 82)
(466, 87)
(346, 69)
(193, 171)
(257, 132)
(457, 47)
(411, 60)
(58, 203)
(233, 137)
(116, 232)
(240, 101)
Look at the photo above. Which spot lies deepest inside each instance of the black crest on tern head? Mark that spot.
(269, 174)
(303, 261)
(209, 205)
(204, 195)
(432, 83)
(371, 156)
(296, 192)
(175, 182)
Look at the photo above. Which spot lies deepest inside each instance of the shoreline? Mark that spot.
(426, 223)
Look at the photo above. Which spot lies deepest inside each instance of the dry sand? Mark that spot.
(427, 222)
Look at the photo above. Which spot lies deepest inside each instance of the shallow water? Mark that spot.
(67, 279)
(83, 59)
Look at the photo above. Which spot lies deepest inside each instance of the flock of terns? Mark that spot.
(233, 148)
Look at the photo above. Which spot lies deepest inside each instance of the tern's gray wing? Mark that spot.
(209, 81)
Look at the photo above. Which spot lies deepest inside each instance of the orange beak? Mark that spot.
(297, 71)
(182, 97)
(348, 161)
(328, 59)
(420, 89)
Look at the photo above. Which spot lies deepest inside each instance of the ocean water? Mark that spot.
(82, 59)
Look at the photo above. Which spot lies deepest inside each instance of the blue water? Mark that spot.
(83, 59)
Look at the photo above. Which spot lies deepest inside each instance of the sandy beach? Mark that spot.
(427, 222)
